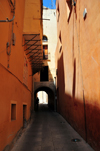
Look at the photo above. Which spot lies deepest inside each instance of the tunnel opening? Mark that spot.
(43, 97)
(46, 97)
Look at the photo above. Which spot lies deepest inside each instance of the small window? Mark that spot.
(58, 13)
(56, 71)
(45, 38)
(24, 111)
(45, 52)
(69, 8)
(13, 112)
(60, 37)
(60, 42)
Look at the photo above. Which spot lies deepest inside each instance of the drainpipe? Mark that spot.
(11, 20)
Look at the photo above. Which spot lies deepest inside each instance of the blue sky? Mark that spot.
(47, 3)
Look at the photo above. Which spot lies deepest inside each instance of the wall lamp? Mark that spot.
(74, 3)
(7, 20)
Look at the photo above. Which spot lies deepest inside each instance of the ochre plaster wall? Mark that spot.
(33, 17)
(13, 88)
(78, 78)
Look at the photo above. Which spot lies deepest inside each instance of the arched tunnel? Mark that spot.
(51, 96)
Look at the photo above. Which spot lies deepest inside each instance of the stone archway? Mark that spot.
(49, 88)
(51, 95)
(47, 84)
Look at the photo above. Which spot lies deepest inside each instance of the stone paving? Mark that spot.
(49, 131)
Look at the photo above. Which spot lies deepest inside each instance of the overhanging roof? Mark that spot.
(34, 51)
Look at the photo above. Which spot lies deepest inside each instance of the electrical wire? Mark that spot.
(8, 53)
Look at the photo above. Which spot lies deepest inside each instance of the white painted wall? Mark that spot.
(50, 30)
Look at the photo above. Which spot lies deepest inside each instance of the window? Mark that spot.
(69, 8)
(45, 38)
(56, 72)
(13, 112)
(45, 52)
(58, 13)
(24, 111)
(60, 42)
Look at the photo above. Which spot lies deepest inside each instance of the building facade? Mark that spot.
(16, 67)
(77, 66)
(49, 41)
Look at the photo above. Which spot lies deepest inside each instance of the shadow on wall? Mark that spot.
(60, 85)
(74, 77)
(84, 117)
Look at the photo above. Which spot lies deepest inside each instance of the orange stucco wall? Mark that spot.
(15, 81)
(78, 78)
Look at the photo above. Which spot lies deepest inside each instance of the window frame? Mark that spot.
(46, 38)
(45, 57)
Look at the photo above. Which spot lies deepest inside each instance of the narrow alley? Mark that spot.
(49, 131)
(49, 55)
